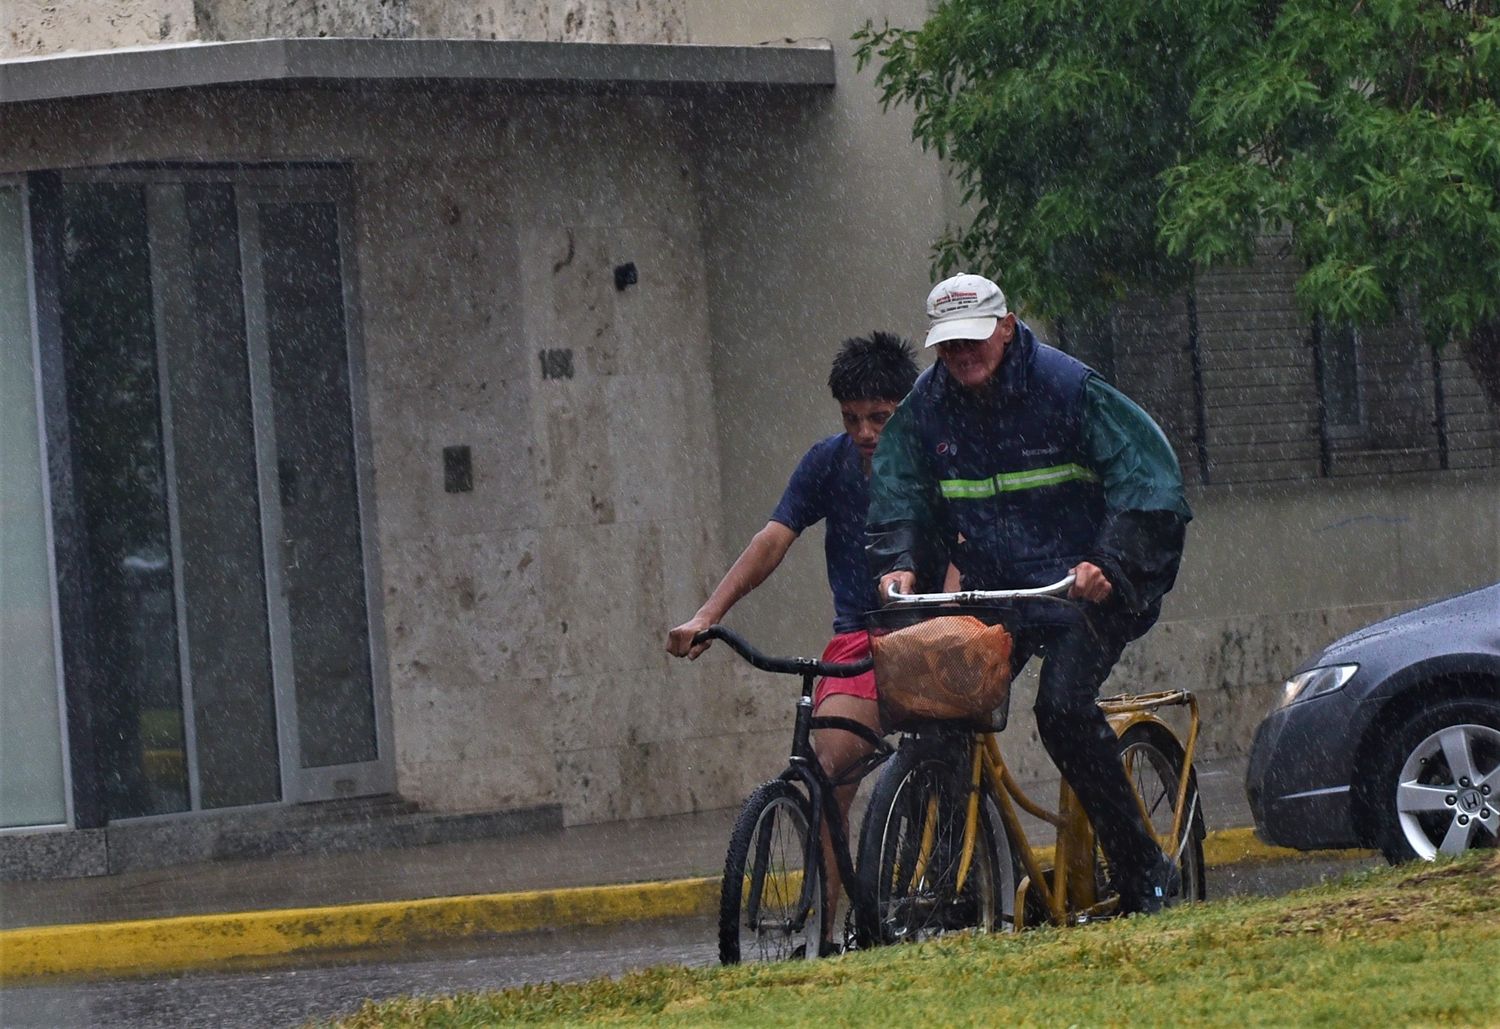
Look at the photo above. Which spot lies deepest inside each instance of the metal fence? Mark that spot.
(1248, 390)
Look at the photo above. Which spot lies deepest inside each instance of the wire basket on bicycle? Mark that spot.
(950, 668)
(950, 663)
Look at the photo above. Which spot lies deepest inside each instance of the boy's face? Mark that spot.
(864, 420)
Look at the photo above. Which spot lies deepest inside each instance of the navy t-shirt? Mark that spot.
(829, 484)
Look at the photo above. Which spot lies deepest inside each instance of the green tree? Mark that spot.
(1368, 131)
(1059, 119)
(1105, 148)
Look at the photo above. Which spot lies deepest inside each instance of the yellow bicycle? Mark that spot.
(943, 846)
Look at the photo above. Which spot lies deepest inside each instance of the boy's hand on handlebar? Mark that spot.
(680, 639)
(905, 582)
(1090, 583)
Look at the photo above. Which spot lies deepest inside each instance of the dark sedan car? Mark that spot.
(1389, 738)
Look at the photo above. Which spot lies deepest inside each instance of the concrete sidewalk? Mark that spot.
(265, 909)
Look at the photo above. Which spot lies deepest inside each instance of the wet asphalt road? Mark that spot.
(290, 997)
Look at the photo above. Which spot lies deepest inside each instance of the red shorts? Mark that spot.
(847, 646)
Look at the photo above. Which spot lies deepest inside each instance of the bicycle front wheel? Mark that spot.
(1153, 763)
(911, 852)
(762, 915)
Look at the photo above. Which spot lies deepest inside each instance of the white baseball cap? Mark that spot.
(963, 307)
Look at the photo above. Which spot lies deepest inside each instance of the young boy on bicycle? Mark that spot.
(870, 376)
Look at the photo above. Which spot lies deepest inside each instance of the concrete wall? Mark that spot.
(1274, 573)
(819, 222)
(32, 27)
(839, 243)
(524, 620)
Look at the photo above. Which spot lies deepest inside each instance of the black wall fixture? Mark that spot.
(458, 470)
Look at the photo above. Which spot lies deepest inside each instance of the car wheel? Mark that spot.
(1437, 790)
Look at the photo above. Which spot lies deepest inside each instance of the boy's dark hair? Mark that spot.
(880, 366)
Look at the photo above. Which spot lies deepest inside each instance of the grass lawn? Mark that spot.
(1418, 945)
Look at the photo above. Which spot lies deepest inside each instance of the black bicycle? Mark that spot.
(771, 903)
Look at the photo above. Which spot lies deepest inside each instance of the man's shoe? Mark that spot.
(1158, 889)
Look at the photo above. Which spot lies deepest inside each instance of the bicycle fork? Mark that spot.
(758, 874)
(971, 816)
(932, 816)
(803, 765)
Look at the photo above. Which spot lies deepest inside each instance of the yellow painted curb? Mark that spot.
(200, 941)
(1231, 846)
(1239, 846)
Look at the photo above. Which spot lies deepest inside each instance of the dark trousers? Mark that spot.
(1076, 661)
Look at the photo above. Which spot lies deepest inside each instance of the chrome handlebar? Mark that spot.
(1058, 589)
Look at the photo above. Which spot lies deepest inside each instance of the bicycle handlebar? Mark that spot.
(783, 665)
(1057, 590)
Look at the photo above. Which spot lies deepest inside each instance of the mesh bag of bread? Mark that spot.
(952, 668)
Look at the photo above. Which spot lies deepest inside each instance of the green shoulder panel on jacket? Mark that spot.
(1130, 453)
(900, 486)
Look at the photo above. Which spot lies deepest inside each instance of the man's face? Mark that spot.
(864, 420)
(974, 361)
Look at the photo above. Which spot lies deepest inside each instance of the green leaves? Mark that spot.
(1374, 137)
(1344, 292)
(1058, 118)
(1113, 147)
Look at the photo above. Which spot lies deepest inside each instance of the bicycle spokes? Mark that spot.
(771, 899)
(924, 888)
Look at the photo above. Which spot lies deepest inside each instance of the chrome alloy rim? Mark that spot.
(1448, 792)
(773, 939)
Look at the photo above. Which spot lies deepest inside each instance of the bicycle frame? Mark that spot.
(1071, 894)
(803, 766)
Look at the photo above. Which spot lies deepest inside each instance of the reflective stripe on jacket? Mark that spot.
(1005, 471)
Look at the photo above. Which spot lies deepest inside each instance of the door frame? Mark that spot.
(254, 184)
(301, 784)
(169, 253)
(21, 183)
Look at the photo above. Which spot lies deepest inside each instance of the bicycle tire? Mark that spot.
(773, 825)
(920, 780)
(1153, 759)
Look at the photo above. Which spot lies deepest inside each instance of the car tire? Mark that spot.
(1436, 787)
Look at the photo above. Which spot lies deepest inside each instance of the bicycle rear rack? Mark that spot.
(1126, 703)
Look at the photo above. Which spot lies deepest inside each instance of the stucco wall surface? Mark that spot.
(35, 27)
(524, 621)
(838, 243)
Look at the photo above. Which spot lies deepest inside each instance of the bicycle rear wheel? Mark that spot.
(1153, 763)
(911, 852)
(760, 901)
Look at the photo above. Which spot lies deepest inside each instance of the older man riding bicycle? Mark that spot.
(1020, 465)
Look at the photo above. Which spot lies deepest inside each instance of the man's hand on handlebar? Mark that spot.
(680, 639)
(1090, 583)
(905, 582)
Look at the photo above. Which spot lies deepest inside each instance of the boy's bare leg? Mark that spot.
(836, 751)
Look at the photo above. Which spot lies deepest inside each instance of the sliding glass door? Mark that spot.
(32, 775)
(205, 326)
